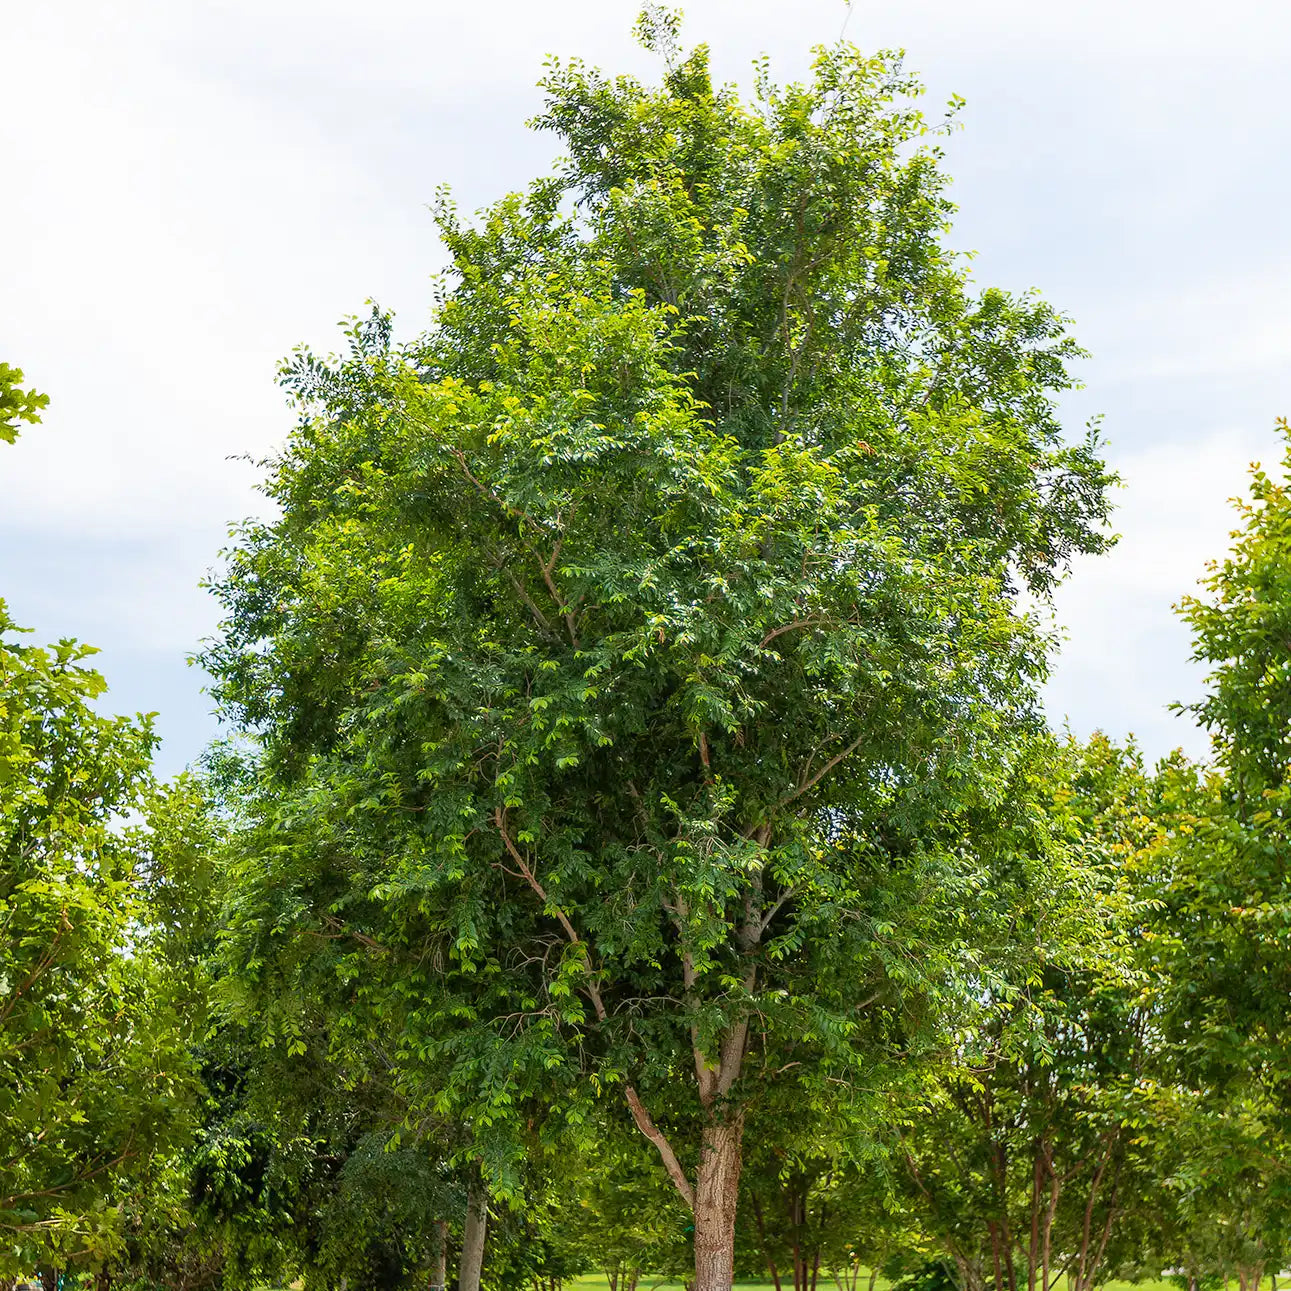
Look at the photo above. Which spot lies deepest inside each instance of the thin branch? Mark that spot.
(816, 621)
(523, 593)
(531, 879)
(807, 785)
(639, 1114)
(343, 931)
(43, 965)
(565, 612)
(656, 1136)
(786, 895)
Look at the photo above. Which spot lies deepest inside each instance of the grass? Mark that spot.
(599, 1282)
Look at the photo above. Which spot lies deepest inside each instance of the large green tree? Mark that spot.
(624, 646)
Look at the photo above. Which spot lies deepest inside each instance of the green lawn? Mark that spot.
(598, 1282)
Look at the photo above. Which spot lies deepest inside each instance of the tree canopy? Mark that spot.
(627, 644)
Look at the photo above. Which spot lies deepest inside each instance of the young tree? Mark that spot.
(617, 643)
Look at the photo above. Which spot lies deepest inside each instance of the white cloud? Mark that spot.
(1221, 323)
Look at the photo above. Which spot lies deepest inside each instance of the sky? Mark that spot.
(191, 188)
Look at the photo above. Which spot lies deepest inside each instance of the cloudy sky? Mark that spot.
(193, 187)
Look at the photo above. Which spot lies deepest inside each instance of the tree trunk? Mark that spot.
(766, 1250)
(971, 1276)
(439, 1260)
(49, 1279)
(1250, 1276)
(716, 1194)
(471, 1263)
(797, 1199)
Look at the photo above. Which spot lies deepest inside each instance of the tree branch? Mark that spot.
(814, 622)
(660, 1140)
(639, 1114)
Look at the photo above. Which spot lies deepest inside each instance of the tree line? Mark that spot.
(637, 845)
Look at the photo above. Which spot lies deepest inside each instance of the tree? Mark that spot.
(16, 404)
(1029, 1159)
(94, 1077)
(620, 641)
(625, 1218)
(803, 1212)
(1224, 897)
(1242, 631)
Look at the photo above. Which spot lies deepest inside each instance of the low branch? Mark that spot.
(639, 1114)
(660, 1140)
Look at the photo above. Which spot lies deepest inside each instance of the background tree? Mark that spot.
(1242, 629)
(1224, 905)
(1029, 1154)
(620, 639)
(628, 1221)
(95, 1080)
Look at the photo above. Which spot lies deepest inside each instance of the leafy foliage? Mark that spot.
(1224, 929)
(1243, 631)
(94, 1078)
(16, 404)
(626, 644)
(1021, 1160)
(102, 876)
